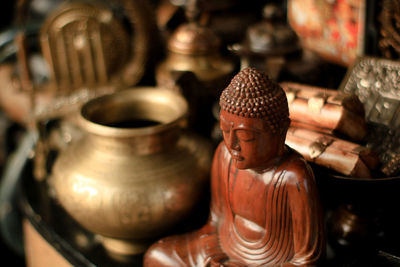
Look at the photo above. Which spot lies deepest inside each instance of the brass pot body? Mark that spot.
(132, 184)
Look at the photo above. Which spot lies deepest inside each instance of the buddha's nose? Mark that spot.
(233, 142)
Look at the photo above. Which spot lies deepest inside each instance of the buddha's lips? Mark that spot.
(236, 156)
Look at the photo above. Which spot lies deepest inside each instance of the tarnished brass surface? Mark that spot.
(132, 184)
(194, 48)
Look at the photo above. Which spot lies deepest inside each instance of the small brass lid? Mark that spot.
(193, 39)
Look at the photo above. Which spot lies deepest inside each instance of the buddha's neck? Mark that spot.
(271, 163)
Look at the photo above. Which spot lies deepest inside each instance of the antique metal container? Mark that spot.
(134, 175)
(194, 48)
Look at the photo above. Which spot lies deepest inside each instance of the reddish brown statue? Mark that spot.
(265, 209)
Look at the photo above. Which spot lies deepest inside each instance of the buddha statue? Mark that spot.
(265, 208)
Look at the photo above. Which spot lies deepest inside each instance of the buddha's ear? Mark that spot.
(284, 129)
(282, 134)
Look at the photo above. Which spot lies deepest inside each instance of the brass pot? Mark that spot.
(194, 48)
(134, 174)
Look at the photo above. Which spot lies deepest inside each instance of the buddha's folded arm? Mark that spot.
(308, 232)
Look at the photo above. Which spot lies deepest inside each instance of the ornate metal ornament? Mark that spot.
(376, 81)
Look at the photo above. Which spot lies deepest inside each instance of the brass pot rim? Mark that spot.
(146, 93)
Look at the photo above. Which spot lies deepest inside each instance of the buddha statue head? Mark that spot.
(254, 119)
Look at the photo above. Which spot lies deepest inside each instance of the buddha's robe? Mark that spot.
(258, 218)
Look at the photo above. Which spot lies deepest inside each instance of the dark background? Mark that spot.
(9, 257)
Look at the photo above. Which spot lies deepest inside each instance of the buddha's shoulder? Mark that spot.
(295, 163)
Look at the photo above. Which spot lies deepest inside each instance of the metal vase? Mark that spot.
(134, 174)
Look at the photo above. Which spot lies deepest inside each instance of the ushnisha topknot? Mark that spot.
(252, 94)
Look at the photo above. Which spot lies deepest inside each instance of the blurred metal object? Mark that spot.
(133, 168)
(389, 18)
(375, 81)
(84, 36)
(268, 43)
(10, 218)
(194, 40)
(386, 141)
(78, 41)
(194, 48)
(273, 36)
